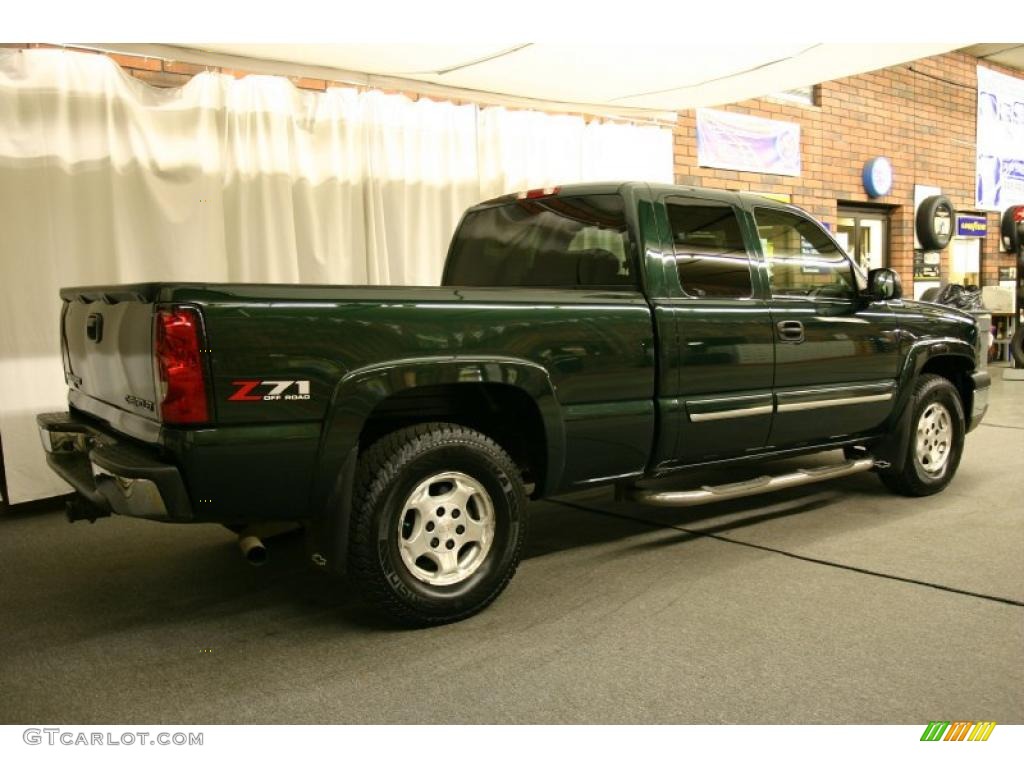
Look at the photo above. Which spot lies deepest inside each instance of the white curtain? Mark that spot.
(104, 179)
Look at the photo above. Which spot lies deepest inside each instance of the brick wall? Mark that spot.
(920, 115)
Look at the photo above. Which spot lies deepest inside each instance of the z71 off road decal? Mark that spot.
(256, 391)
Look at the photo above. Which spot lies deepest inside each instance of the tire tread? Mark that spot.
(906, 482)
(378, 467)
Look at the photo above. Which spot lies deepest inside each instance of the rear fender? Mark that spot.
(362, 390)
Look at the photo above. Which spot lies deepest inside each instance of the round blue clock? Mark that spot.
(877, 176)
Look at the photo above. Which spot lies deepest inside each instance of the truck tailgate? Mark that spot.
(107, 336)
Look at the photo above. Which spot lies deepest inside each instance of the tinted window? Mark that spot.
(564, 242)
(802, 260)
(710, 253)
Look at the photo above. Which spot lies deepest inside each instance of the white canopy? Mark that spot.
(651, 77)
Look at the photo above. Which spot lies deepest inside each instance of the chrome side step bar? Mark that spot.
(711, 493)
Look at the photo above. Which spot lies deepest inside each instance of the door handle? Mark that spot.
(790, 330)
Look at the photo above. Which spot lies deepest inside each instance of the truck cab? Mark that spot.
(768, 338)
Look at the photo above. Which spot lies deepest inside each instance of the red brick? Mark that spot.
(160, 79)
(925, 126)
(309, 83)
(137, 62)
(184, 68)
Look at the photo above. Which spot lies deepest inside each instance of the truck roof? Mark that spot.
(653, 188)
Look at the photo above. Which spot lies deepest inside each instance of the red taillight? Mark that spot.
(179, 366)
(533, 194)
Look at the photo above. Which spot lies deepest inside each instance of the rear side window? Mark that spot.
(552, 242)
(710, 253)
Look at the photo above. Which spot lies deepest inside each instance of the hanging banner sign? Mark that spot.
(1000, 160)
(745, 143)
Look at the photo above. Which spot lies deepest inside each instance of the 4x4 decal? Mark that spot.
(249, 390)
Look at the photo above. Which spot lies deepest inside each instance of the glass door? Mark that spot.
(965, 265)
(864, 234)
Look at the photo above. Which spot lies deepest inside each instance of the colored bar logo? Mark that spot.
(958, 730)
(971, 226)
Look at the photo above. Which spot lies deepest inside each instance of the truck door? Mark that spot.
(836, 352)
(723, 383)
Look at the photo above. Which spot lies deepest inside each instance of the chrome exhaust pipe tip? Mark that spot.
(253, 550)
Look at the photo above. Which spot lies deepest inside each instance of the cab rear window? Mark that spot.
(553, 242)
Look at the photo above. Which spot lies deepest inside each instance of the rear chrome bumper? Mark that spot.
(979, 402)
(111, 473)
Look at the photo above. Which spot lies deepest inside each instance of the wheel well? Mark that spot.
(958, 371)
(504, 413)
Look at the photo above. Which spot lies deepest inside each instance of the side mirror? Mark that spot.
(884, 285)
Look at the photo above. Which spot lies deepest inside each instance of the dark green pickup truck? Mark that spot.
(583, 335)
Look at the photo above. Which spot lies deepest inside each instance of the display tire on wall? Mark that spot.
(1009, 229)
(936, 439)
(930, 241)
(1017, 346)
(438, 523)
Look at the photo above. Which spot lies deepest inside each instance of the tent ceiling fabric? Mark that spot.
(607, 75)
(1007, 54)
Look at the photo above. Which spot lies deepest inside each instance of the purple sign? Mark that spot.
(744, 143)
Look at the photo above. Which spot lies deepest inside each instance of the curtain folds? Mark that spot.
(104, 179)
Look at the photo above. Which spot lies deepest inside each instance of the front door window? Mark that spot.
(802, 261)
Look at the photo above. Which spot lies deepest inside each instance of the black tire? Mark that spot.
(1009, 229)
(915, 478)
(1017, 346)
(387, 475)
(930, 241)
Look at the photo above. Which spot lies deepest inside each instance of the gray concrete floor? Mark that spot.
(836, 603)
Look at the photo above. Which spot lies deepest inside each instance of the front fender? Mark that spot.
(899, 429)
